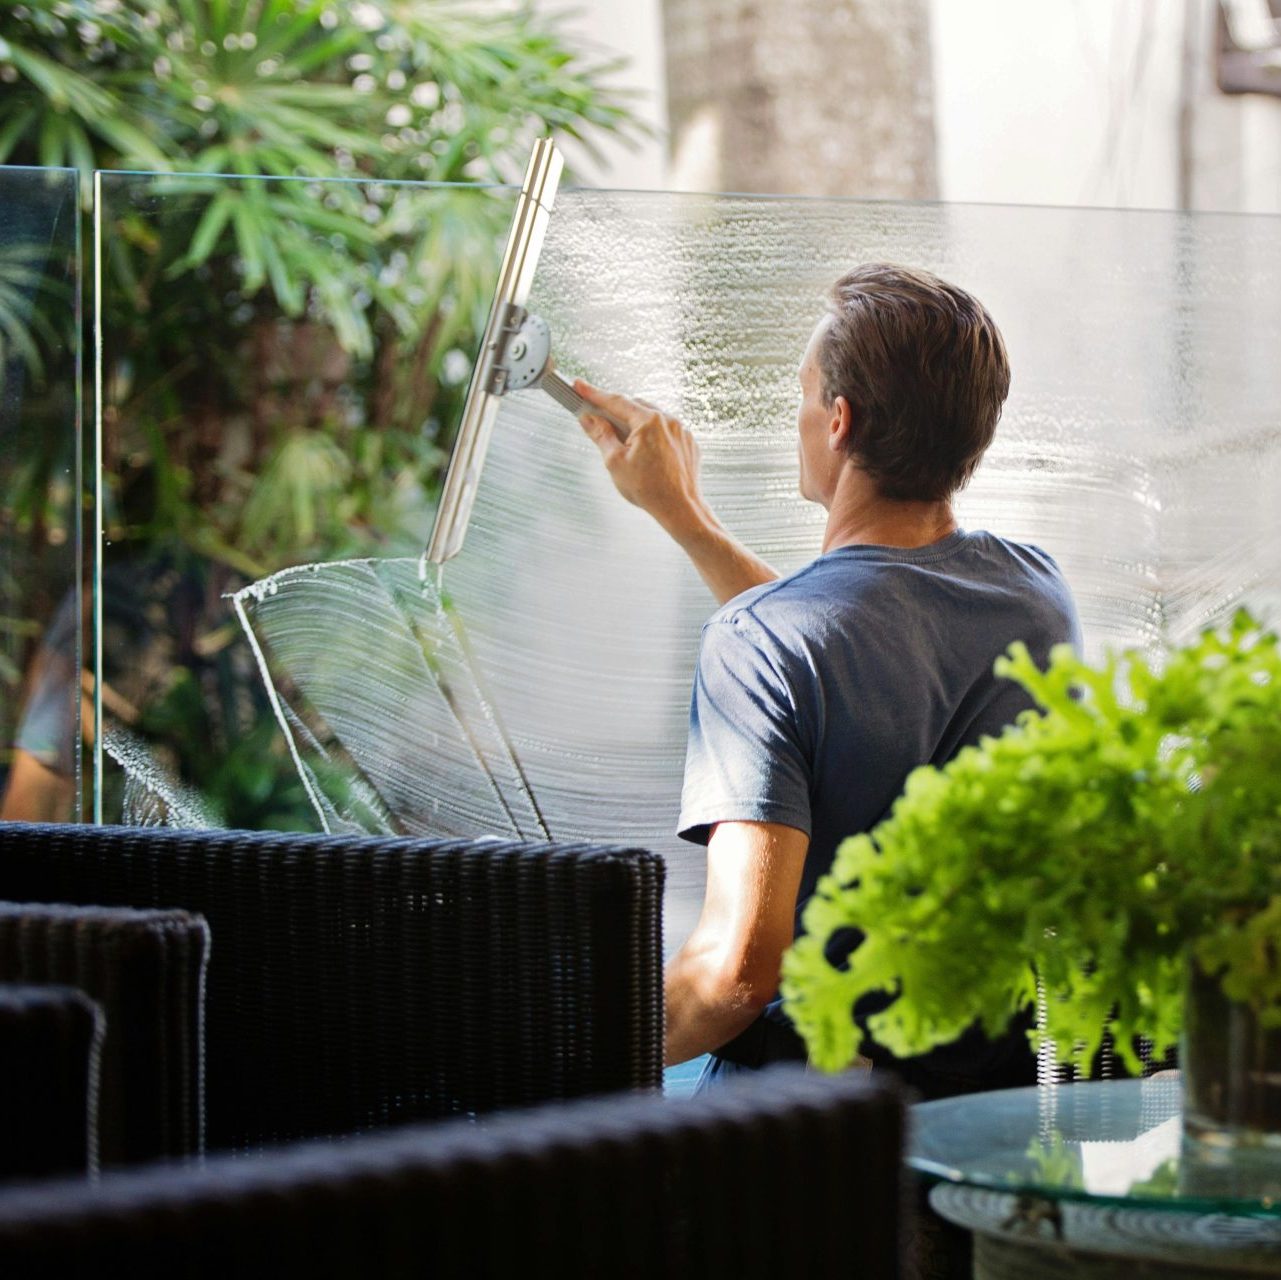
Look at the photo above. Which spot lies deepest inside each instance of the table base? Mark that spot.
(1016, 1237)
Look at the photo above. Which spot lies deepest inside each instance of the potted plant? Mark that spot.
(1122, 843)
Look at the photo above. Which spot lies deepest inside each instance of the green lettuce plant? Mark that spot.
(1131, 823)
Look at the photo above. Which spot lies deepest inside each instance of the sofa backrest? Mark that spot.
(356, 982)
(146, 971)
(787, 1175)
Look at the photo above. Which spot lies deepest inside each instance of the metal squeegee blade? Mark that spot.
(516, 275)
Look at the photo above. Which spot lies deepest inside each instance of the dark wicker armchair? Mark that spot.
(356, 982)
(146, 970)
(789, 1175)
(50, 1038)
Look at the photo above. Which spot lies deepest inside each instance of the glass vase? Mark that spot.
(1230, 1068)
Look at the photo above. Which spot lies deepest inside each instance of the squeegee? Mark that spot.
(515, 354)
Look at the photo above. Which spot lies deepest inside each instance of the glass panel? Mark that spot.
(40, 495)
(1110, 1141)
(542, 683)
(282, 362)
(1139, 447)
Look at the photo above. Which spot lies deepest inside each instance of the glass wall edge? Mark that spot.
(358, 180)
(97, 503)
(78, 410)
(666, 193)
(881, 202)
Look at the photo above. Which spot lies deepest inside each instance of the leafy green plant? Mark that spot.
(287, 344)
(1132, 823)
(26, 332)
(351, 99)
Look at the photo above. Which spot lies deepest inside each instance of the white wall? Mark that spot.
(1065, 103)
(1077, 103)
(1074, 102)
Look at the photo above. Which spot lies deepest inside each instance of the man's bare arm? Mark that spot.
(656, 469)
(728, 970)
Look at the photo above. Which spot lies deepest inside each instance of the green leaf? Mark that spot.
(208, 232)
(249, 234)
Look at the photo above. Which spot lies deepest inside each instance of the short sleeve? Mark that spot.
(745, 761)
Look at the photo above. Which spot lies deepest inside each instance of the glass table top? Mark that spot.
(1111, 1141)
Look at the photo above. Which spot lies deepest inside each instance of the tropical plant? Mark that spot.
(1131, 825)
(26, 331)
(318, 89)
(286, 346)
(39, 503)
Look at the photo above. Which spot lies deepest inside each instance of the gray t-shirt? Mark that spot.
(817, 694)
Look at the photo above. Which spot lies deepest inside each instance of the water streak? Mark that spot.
(153, 796)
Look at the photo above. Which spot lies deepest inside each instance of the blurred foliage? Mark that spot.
(38, 398)
(285, 347)
(245, 779)
(395, 278)
(26, 332)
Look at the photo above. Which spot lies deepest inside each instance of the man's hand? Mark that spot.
(655, 466)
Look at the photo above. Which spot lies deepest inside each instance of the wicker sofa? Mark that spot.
(788, 1175)
(351, 988)
(356, 982)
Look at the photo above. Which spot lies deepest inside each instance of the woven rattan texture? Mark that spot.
(50, 1038)
(146, 969)
(356, 982)
(787, 1175)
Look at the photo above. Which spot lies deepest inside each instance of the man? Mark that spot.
(816, 694)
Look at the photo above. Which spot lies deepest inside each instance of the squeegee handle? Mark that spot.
(562, 391)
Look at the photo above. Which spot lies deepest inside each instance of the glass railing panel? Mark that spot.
(1139, 446)
(541, 684)
(41, 658)
(282, 364)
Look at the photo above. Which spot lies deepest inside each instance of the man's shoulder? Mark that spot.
(780, 593)
(1032, 570)
(846, 573)
(1026, 553)
(767, 612)
(857, 583)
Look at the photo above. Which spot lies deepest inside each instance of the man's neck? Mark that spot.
(860, 516)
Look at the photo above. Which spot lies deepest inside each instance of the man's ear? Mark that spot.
(840, 426)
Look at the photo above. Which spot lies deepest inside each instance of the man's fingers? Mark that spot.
(602, 434)
(621, 408)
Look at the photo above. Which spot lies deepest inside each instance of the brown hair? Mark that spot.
(924, 369)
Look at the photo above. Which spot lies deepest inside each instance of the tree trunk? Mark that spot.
(804, 97)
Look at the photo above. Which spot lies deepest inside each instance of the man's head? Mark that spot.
(917, 371)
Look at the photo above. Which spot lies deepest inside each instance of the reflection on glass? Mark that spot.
(1112, 1168)
(40, 480)
(282, 364)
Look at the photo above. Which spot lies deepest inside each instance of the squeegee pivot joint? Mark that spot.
(523, 348)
